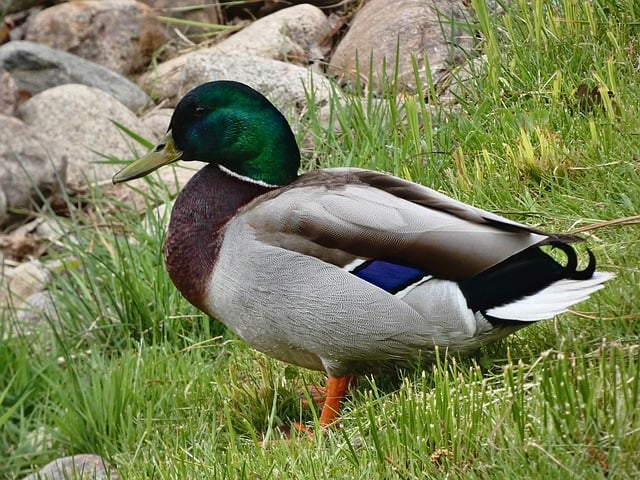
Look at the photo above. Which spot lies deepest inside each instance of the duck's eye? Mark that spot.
(199, 111)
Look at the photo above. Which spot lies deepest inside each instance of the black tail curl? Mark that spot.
(571, 268)
(521, 275)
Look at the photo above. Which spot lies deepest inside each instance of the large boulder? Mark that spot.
(119, 34)
(295, 34)
(37, 67)
(383, 33)
(85, 466)
(284, 84)
(81, 121)
(32, 166)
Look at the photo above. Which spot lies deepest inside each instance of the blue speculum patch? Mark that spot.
(389, 276)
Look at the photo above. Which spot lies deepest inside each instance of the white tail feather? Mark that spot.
(552, 300)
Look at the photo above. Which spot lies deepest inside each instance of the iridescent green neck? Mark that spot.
(265, 150)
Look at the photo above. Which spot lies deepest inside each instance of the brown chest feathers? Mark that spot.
(201, 211)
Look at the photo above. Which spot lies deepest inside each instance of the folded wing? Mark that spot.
(339, 215)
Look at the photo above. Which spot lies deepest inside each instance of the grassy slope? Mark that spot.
(163, 392)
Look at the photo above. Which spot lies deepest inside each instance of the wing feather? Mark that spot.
(338, 215)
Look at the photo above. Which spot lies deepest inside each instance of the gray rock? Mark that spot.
(420, 28)
(294, 34)
(286, 85)
(85, 467)
(37, 67)
(81, 118)
(164, 81)
(8, 92)
(283, 83)
(30, 161)
(4, 215)
(119, 34)
(51, 229)
(27, 300)
(157, 120)
(35, 314)
(22, 282)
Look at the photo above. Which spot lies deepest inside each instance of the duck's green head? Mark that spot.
(228, 124)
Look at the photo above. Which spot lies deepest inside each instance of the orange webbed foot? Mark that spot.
(330, 398)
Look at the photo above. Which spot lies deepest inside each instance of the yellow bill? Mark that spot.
(162, 154)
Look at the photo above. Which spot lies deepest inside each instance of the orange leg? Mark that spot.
(316, 394)
(336, 391)
(330, 397)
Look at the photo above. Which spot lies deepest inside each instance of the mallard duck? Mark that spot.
(342, 270)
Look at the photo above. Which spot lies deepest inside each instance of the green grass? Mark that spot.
(129, 370)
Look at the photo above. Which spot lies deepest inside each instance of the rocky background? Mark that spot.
(71, 70)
